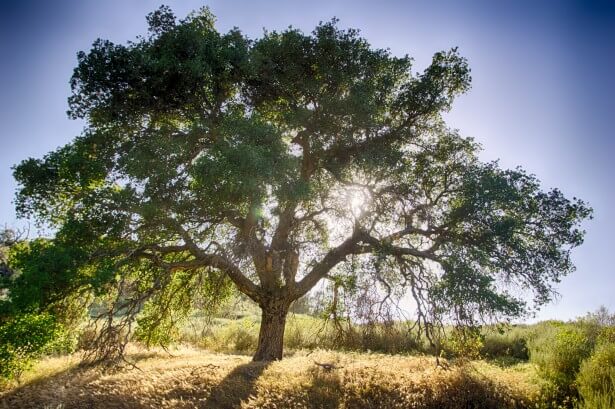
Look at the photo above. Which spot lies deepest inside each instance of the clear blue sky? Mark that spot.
(542, 96)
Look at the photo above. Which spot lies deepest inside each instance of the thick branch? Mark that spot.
(375, 244)
(288, 218)
(218, 261)
(331, 259)
(209, 260)
(352, 246)
(242, 282)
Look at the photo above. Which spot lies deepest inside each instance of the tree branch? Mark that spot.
(220, 262)
(331, 259)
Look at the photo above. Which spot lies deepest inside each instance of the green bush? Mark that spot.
(463, 343)
(510, 344)
(233, 336)
(596, 378)
(26, 337)
(245, 340)
(303, 332)
(558, 350)
(65, 341)
(606, 336)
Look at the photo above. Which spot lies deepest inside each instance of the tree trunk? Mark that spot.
(271, 335)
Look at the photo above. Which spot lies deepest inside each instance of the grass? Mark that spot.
(193, 378)
(302, 332)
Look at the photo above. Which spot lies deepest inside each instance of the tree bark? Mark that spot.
(271, 334)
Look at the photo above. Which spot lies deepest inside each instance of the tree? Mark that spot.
(24, 335)
(8, 238)
(5, 242)
(211, 160)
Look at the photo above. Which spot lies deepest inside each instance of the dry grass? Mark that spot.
(197, 379)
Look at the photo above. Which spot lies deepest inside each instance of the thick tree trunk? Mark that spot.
(271, 335)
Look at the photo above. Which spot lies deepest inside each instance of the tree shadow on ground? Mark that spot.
(81, 387)
(325, 388)
(70, 389)
(236, 387)
(40, 391)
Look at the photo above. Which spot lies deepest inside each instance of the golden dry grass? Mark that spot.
(198, 379)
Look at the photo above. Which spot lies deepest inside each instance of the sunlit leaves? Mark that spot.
(24, 338)
(169, 307)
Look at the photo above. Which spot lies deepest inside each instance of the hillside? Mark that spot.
(193, 378)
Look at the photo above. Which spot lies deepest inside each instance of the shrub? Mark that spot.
(24, 338)
(606, 336)
(463, 343)
(596, 378)
(389, 338)
(511, 343)
(558, 351)
(303, 332)
(245, 339)
(233, 336)
(65, 341)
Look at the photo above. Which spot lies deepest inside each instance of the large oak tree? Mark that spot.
(211, 159)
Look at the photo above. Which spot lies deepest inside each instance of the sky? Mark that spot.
(542, 96)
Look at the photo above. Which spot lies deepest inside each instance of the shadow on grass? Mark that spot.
(40, 391)
(70, 388)
(81, 387)
(325, 388)
(236, 387)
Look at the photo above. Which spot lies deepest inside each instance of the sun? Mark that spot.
(346, 206)
(357, 199)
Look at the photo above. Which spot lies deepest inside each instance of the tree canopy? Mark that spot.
(210, 160)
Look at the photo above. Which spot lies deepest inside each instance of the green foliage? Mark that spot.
(463, 342)
(162, 315)
(6, 240)
(606, 335)
(47, 272)
(25, 338)
(249, 156)
(559, 352)
(569, 356)
(488, 217)
(508, 344)
(596, 378)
